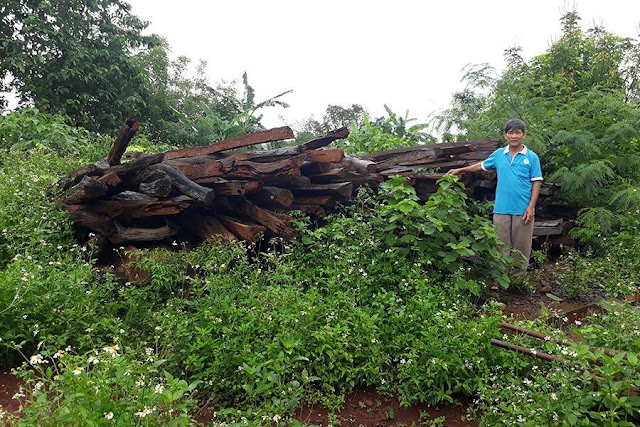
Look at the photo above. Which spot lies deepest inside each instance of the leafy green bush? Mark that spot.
(384, 134)
(29, 128)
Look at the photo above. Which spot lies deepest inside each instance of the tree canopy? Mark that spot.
(75, 57)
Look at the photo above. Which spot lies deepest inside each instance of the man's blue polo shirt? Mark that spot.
(515, 178)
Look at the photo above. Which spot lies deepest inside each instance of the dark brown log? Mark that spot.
(229, 188)
(548, 188)
(100, 224)
(561, 210)
(314, 168)
(252, 186)
(270, 135)
(326, 156)
(442, 151)
(185, 185)
(341, 190)
(129, 209)
(193, 171)
(327, 201)
(281, 179)
(156, 188)
(136, 165)
(270, 173)
(273, 196)
(88, 188)
(117, 234)
(127, 132)
(417, 151)
(298, 182)
(408, 157)
(134, 234)
(474, 156)
(265, 156)
(334, 135)
(92, 169)
(357, 180)
(459, 150)
(204, 226)
(131, 195)
(484, 183)
(198, 160)
(247, 231)
(334, 175)
(273, 167)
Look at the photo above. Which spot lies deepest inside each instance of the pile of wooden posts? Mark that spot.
(219, 190)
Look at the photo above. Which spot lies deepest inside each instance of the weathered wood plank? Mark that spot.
(204, 226)
(266, 156)
(131, 208)
(333, 135)
(548, 228)
(333, 175)
(314, 168)
(326, 156)
(272, 196)
(341, 190)
(244, 230)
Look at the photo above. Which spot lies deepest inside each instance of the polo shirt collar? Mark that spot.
(523, 152)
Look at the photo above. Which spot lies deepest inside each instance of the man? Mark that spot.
(519, 181)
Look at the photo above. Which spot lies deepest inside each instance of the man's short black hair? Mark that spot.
(515, 124)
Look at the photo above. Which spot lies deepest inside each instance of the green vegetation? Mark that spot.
(389, 293)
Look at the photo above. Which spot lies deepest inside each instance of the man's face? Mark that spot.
(514, 137)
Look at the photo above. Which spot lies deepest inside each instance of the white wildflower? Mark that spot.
(146, 411)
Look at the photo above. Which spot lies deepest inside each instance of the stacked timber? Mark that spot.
(424, 165)
(212, 190)
(218, 190)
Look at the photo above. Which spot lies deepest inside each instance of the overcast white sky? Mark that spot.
(407, 54)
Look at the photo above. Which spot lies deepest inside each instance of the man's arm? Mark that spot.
(477, 167)
(529, 213)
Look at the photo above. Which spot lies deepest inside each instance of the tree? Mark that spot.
(208, 114)
(335, 117)
(75, 57)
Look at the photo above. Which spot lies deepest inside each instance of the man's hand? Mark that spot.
(529, 214)
(473, 168)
